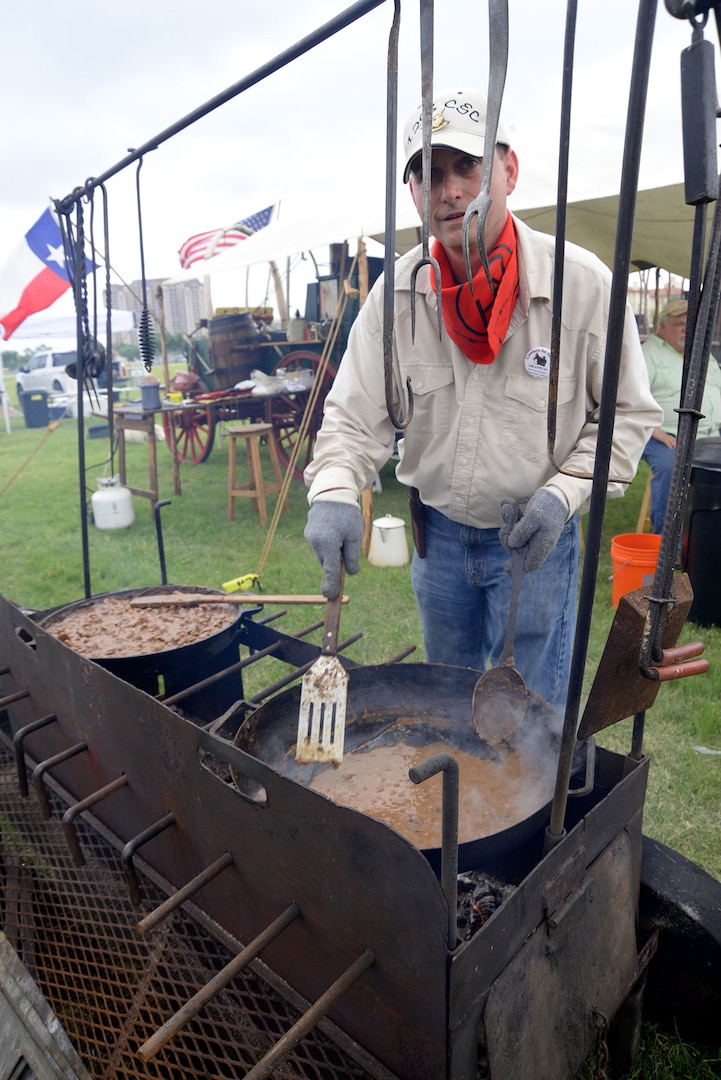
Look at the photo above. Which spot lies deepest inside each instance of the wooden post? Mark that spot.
(280, 295)
(367, 511)
(362, 272)
(173, 447)
(163, 336)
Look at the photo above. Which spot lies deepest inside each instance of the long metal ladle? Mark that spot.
(500, 697)
(399, 421)
(498, 64)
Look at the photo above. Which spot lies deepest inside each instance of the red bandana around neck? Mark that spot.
(478, 322)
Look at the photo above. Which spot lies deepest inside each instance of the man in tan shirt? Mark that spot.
(477, 441)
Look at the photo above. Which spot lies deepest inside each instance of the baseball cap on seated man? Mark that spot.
(673, 309)
(458, 123)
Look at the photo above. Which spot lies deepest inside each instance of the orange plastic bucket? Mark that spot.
(634, 557)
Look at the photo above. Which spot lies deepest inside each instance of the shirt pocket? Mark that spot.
(524, 429)
(433, 391)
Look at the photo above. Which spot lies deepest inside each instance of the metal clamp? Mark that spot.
(18, 745)
(49, 763)
(128, 852)
(72, 812)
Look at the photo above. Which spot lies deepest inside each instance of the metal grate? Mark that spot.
(111, 988)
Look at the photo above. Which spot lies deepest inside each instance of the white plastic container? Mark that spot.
(296, 331)
(389, 545)
(112, 504)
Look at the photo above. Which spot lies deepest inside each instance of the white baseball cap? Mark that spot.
(458, 123)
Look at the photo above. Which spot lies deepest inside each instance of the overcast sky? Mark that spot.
(77, 92)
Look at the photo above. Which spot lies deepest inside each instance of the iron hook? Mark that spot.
(426, 20)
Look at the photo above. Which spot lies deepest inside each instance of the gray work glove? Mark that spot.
(335, 531)
(537, 532)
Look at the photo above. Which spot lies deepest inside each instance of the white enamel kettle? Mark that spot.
(389, 545)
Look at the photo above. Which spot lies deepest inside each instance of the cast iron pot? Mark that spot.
(179, 668)
(421, 704)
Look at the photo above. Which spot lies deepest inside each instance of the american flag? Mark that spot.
(206, 245)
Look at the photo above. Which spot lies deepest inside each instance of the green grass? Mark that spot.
(42, 566)
(663, 1056)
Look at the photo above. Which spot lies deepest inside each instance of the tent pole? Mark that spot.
(4, 398)
(208, 298)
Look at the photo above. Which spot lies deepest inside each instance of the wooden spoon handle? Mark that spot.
(183, 600)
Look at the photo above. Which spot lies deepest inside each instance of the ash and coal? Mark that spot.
(478, 897)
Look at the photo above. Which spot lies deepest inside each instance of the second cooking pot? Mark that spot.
(422, 705)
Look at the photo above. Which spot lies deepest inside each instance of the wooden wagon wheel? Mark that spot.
(194, 427)
(285, 411)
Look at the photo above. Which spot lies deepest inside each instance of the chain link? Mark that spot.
(76, 268)
(601, 1025)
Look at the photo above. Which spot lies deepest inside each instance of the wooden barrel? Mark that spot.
(232, 356)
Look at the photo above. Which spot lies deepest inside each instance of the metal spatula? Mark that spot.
(324, 692)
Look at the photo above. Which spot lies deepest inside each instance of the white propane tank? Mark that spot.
(389, 546)
(112, 505)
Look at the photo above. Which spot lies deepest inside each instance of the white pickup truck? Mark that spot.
(46, 371)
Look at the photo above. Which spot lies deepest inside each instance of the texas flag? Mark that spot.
(34, 276)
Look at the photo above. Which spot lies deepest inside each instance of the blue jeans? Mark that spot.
(463, 595)
(660, 459)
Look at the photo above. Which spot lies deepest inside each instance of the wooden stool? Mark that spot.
(256, 488)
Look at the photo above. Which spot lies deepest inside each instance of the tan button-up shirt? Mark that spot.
(479, 432)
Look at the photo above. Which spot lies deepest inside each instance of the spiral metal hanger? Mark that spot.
(145, 334)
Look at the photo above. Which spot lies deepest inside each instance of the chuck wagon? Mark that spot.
(241, 341)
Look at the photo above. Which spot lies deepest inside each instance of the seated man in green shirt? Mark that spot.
(663, 352)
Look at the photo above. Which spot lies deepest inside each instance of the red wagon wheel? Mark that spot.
(285, 411)
(194, 428)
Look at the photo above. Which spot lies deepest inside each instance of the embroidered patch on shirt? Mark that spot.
(538, 362)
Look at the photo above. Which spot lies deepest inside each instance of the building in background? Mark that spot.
(183, 303)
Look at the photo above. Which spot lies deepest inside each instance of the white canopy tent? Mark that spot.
(44, 326)
(304, 227)
(662, 232)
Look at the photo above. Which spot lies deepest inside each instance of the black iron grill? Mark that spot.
(148, 860)
(112, 988)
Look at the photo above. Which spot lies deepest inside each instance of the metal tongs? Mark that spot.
(426, 31)
(498, 64)
(426, 259)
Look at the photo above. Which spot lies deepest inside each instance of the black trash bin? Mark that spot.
(701, 544)
(35, 407)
